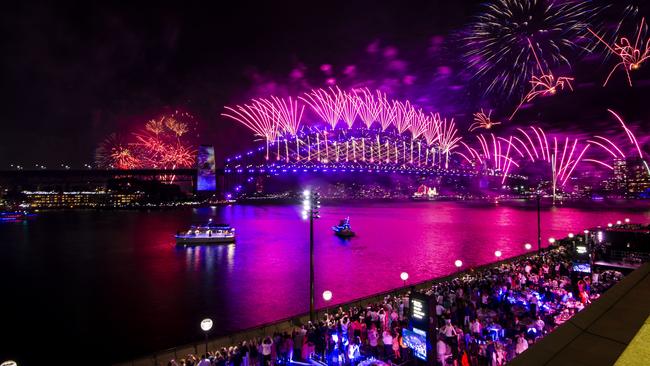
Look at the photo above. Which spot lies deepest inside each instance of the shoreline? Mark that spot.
(289, 323)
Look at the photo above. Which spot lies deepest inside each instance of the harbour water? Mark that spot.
(111, 285)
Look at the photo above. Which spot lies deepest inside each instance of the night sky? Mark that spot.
(74, 72)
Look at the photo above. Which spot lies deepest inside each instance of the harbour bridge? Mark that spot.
(345, 153)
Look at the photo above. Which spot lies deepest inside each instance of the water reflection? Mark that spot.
(209, 257)
(125, 289)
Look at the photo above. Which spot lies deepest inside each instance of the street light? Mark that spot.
(404, 276)
(498, 253)
(206, 325)
(458, 263)
(311, 204)
(327, 296)
(539, 221)
(528, 246)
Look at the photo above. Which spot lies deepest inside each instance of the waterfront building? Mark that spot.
(81, 199)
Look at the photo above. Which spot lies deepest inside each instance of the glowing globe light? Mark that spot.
(618, 222)
(627, 221)
(498, 253)
(404, 276)
(327, 295)
(610, 224)
(458, 263)
(586, 231)
(551, 240)
(528, 246)
(571, 235)
(306, 193)
(206, 324)
(9, 363)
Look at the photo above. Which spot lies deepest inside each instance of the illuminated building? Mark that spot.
(637, 176)
(81, 199)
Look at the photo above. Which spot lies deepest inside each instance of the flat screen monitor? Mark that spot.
(581, 267)
(416, 340)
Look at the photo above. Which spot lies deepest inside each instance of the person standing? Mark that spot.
(373, 336)
(387, 339)
(267, 346)
(298, 341)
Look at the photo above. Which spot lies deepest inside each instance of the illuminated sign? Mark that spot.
(418, 310)
(206, 180)
(581, 250)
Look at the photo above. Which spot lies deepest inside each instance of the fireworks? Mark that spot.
(116, 154)
(482, 120)
(260, 117)
(631, 55)
(159, 145)
(628, 132)
(430, 136)
(497, 51)
(543, 85)
(349, 105)
(369, 107)
(325, 104)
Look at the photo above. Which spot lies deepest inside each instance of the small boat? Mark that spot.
(343, 229)
(206, 234)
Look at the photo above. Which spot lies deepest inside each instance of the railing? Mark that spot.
(629, 257)
(288, 324)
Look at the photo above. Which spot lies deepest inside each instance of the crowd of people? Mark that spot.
(484, 317)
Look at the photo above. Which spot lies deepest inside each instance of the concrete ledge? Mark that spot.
(598, 335)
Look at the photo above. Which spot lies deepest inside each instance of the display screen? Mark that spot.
(416, 340)
(582, 267)
(206, 180)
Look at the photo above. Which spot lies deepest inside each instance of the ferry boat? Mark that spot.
(343, 229)
(206, 234)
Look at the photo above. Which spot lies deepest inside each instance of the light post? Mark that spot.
(327, 296)
(311, 204)
(206, 325)
(539, 222)
(404, 276)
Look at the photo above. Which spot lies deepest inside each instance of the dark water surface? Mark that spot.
(107, 286)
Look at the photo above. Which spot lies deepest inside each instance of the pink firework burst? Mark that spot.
(325, 104)
(482, 120)
(545, 85)
(631, 55)
(368, 106)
